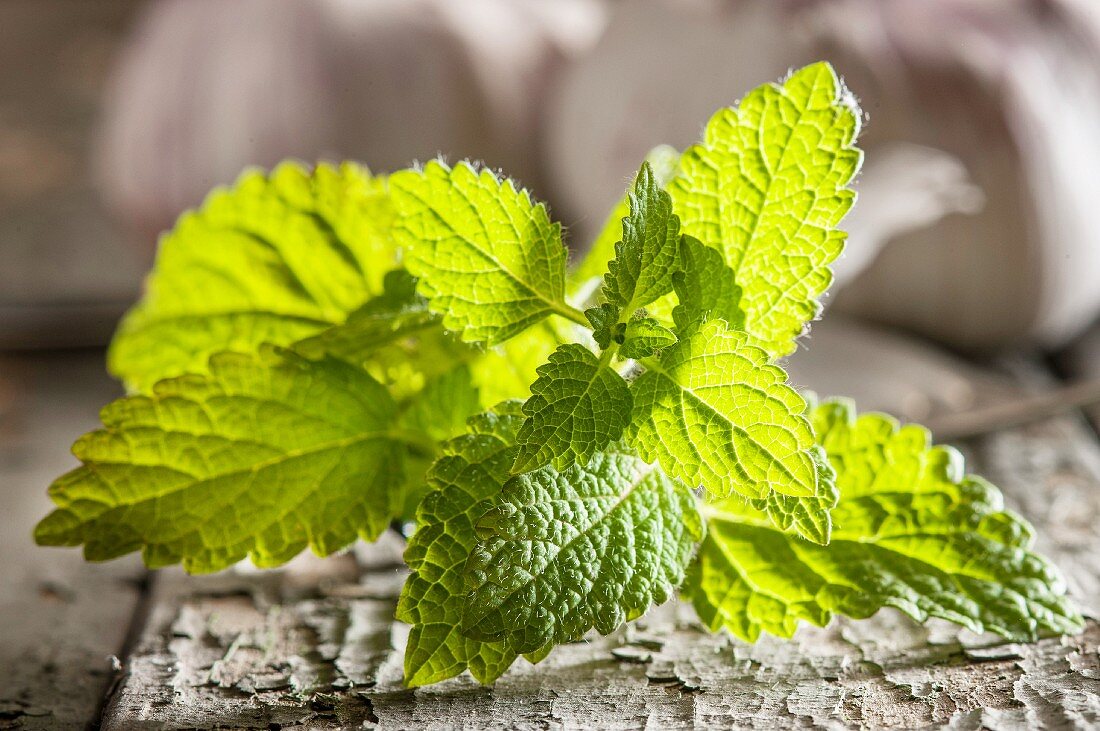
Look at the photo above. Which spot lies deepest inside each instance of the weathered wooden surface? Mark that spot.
(314, 645)
(239, 653)
(61, 620)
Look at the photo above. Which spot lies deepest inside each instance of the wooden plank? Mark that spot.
(314, 645)
(61, 620)
(284, 647)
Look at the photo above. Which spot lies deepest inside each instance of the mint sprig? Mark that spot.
(321, 353)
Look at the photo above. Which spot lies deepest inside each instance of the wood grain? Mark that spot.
(61, 619)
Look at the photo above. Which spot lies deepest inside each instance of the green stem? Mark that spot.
(573, 314)
(608, 354)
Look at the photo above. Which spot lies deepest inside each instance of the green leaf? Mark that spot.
(715, 413)
(506, 371)
(265, 455)
(391, 317)
(605, 323)
(273, 259)
(539, 655)
(579, 405)
(647, 255)
(706, 288)
(643, 336)
(911, 532)
(437, 413)
(441, 410)
(809, 517)
(563, 552)
(394, 337)
(400, 342)
(472, 469)
(664, 161)
(767, 188)
(487, 258)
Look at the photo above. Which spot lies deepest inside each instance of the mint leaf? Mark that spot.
(767, 188)
(488, 259)
(809, 517)
(506, 371)
(391, 317)
(705, 287)
(437, 413)
(643, 336)
(394, 337)
(442, 408)
(539, 655)
(647, 255)
(639, 337)
(263, 456)
(713, 412)
(911, 532)
(664, 161)
(578, 406)
(400, 342)
(274, 259)
(586, 547)
(472, 469)
(605, 323)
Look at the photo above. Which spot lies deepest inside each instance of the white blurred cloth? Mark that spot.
(975, 224)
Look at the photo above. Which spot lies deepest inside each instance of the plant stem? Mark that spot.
(608, 354)
(573, 314)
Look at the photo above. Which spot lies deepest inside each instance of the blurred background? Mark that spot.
(974, 228)
(973, 235)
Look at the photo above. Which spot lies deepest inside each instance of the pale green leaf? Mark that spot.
(394, 337)
(911, 532)
(436, 413)
(706, 288)
(643, 336)
(809, 517)
(274, 259)
(394, 316)
(472, 469)
(639, 337)
(539, 655)
(578, 406)
(506, 371)
(587, 547)
(488, 259)
(442, 408)
(767, 187)
(400, 342)
(664, 161)
(648, 253)
(264, 455)
(713, 412)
